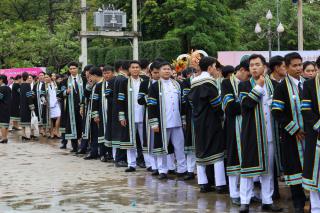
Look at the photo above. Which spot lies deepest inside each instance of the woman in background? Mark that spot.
(15, 103)
(309, 70)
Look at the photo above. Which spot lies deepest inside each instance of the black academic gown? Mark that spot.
(232, 124)
(26, 104)
(5, 102)
(15, 102)
(206, 109)
(311, 115)
(253, 129)
(286, 110)
(156, 115)
(40, 109)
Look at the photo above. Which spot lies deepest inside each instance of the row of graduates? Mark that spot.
(273, 123)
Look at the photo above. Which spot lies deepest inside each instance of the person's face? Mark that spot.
(310, 72)
(195, 58)
(256, 68)
(92, 78)
(134, 70)
(165, 72)
(174, 74)
(30, 79)
(212, 70)
(53, 77)
(87, 74)
(281, 70)
(244, 75)
(155, 74)
(107, 75)
(295, 68)
(59, 80)
(47, 79)
(73, 70)
(41, 77)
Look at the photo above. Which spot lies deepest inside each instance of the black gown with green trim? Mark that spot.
(5, 100)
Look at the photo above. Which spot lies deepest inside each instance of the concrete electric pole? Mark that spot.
(135, 30)
(84, 41)
(300, 25)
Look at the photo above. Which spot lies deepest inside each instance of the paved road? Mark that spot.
(39, 177)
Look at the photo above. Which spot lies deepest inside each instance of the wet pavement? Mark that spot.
(39, 177)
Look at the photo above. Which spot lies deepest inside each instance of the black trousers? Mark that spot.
(94, 139)
(298, 196)
(121, 155)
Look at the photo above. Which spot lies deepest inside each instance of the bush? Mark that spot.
(168, 49)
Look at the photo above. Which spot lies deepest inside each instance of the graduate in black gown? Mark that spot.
(207, 112)
(311, 115)
(72, 90)
(26, 104)
(5, 102)
(286, 108)
(102, 113)
(39, 91)
(232, 125)
(258, 135)
(15, 103)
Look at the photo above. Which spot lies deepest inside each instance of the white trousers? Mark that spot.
(267, 187)
(175, 135)
(152, 158)
(191, 162)
(132, 153)
(219, 174)
(114, 151)
(233, 186)
(315, 202)
(171, 162)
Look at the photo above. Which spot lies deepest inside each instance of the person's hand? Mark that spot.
(97, 120)
(123, 123)
(300, 135)
(68, 91)
(261, 80)
(156, 129)
(81, 111)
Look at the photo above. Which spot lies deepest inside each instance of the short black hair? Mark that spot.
(108, 68)
(237, 68)
(101, 65)
(165, 63)
(155, 65)
(307, 63)
(188, 71)
(4, 79)
(17, 77)
(275, 61)
(25, 76)
(144, 63)
(134, 62)
(206, 61)
(226, 70)
(244, 64)
(160, 59)
(87, 67)
(73, 63)
(291, 56)
(318, 62)
(118, 65)
(126, 64)
(255, 56)
(95, 71)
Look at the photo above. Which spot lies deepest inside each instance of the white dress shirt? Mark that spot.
(171, 99)
(138, 109)
(266, 103)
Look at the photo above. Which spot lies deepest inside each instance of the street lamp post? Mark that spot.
(269, 34)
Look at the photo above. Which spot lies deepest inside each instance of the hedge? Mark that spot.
(168, 49)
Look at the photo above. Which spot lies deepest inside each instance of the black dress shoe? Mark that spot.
(141, 164)
(271, 208)
(244, 208)
(121, 164)
(222, 189)
(90, 157)
(34, 138)
(103, 159)
(25, 138)
(163, 176)
(81, 151)
(205, 188)
(4, 141)
(236, 201)
(109, 157)
(255, 199)
(171, 172)
(63, 146)
(189, 176)
(155, 172)
(149, 169)
(181, 175)
(73, 151)
(130, 169)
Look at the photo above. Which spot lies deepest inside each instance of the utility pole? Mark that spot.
(300, 26)
(84, 42)
(135, 30)
(278, 22)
